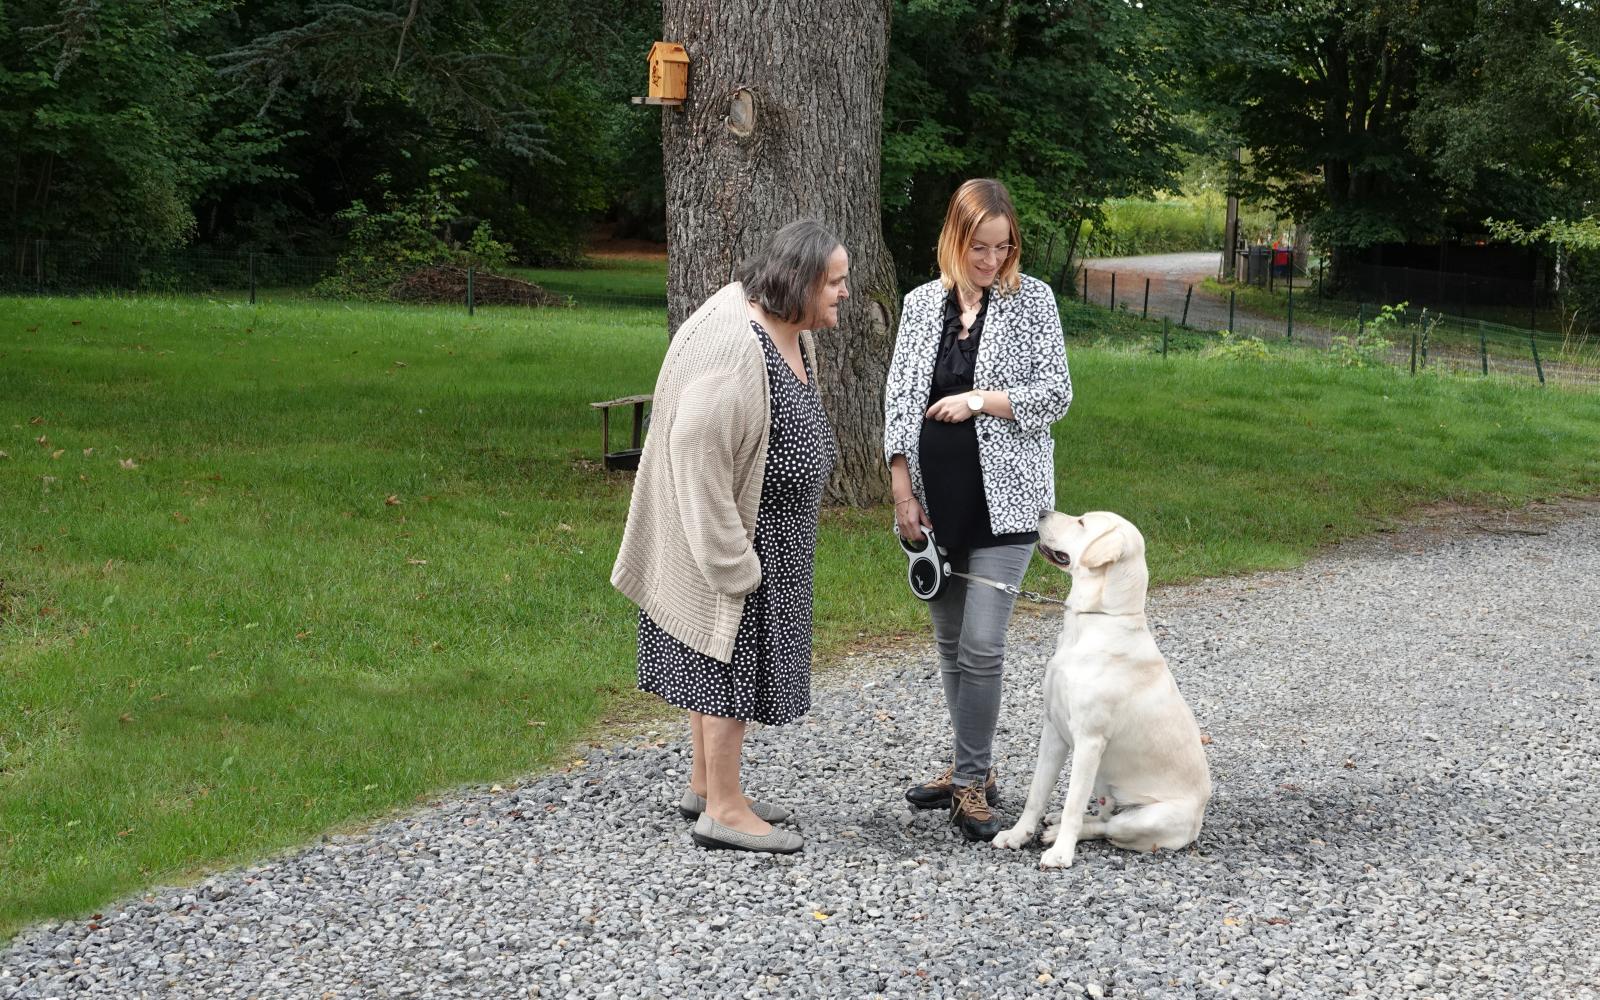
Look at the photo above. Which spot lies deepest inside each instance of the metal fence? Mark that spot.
(1416, 338)
(64, 268)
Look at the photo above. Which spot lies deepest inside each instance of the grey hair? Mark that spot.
(782, 276)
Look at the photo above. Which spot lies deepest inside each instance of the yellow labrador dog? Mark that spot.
(1109, 698)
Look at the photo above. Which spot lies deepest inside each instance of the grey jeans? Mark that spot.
(969, 627)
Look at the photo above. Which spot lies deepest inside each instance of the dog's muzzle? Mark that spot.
(927, 571)
(1052, 556)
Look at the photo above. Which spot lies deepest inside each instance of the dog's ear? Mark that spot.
(1105, 549)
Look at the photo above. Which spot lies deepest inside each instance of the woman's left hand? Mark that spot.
(951, 409)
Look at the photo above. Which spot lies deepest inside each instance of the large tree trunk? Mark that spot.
(783, 121)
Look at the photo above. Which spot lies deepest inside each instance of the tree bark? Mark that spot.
(814, 77)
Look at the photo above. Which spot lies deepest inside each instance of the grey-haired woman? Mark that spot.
(721, 531)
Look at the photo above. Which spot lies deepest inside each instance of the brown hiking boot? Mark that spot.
(970, 811)
(935, 794)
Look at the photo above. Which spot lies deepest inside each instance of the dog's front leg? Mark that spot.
(1086, 753)
(1052, 755)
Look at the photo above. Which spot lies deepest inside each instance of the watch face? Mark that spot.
(975, 402)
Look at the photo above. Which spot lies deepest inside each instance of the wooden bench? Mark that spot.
(623, 458)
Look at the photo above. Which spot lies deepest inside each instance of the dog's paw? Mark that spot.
(1010, 840)
(1055, 857)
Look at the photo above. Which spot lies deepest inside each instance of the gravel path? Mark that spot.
(1405, 754)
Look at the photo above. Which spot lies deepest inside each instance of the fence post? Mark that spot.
(1425, 331)
(471, 272)
(1288, 331)
(1361, 320)
(1483, 346)
(1537, 364)
(252, 278)
(1186, 296)
(1166, 323)
(1086, 284)
(1146, 299)
(1230, 310)
(1061, 279)
(1113, 291)
(1413, 351)
(38, 266)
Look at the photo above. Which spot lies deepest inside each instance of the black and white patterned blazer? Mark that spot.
(1022, 353)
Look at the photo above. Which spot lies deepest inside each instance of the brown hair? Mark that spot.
(785, 272)
(974, 203)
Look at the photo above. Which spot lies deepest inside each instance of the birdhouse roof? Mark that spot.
(668, 52)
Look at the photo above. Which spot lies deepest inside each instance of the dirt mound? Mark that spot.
(445, 283)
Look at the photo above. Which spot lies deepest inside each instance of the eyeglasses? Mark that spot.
(983, 253)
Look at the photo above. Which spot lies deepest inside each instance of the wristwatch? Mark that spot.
(975, 402)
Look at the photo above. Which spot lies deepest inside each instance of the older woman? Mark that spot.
(979, 374)
(718, 547)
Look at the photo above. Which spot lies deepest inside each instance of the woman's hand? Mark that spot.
(951, 409)
(911, 519)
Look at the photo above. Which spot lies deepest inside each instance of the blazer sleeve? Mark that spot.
(708, 432)
(902, 412)
(1043, 400)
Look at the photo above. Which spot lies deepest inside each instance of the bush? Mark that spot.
(1370, 347)
(1233, 348)
(412, 232)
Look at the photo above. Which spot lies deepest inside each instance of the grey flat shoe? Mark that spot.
(710, 834)
(693, 805)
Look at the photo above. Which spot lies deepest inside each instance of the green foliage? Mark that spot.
(1069, 104)
(1369, 347)
(410, 231)
(1131, 226)
(112, 123)
(1230, 347)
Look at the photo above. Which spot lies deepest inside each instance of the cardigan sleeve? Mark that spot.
(708, 434)
(1043, 400)
(902, 403)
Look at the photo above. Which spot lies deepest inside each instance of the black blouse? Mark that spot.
(948, 453)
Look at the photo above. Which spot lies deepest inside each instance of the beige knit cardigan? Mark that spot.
(687, 555)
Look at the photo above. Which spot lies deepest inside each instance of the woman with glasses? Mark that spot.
(979, 374)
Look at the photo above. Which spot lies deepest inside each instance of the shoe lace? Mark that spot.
(970, 800)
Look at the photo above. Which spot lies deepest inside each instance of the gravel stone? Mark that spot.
(1404, 746)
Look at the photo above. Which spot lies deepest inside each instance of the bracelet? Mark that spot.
(906, 500)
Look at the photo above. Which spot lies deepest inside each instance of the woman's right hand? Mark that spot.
(911, 519)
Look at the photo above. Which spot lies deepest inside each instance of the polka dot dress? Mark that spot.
(769, 678)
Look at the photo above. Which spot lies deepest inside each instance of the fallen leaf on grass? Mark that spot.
(124, 833)
(43, 440)
(416, 562)
(128, 463)
(564, 527)
(124, 718)
(400, 364)
(391, 500)
(3, 455)
(536, 724)
(302, 635)
(36, 421)
(87, 452)
(180, 518)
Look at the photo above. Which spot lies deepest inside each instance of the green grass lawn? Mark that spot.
(276, 570)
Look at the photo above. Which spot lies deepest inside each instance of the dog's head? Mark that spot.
(1104, 552)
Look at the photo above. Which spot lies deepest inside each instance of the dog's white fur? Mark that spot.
(1110, 699)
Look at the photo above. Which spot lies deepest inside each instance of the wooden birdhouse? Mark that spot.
(669, 71)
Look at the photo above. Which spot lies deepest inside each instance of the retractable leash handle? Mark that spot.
(927, 572)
